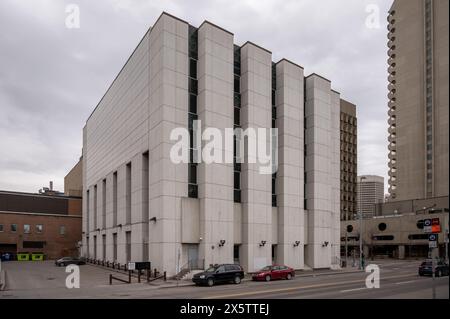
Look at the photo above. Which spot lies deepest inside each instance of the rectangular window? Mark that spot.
(1, 228)
(237, 83)
(145, 185)
(128, 193)
(26, 229)
(33, 244)
(87, 212)
(13, 228)
(128, 245)
(95, 247)
(104, 204)
(39, 228)
(193, 68)
(192, 174)
(115, 246)
(192, 103)
(114, 199)
(193, 86)
(104, 247)
(95, 207)
(237, 180)
(62, 230)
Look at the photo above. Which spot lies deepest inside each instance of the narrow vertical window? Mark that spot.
(95, 207)
(114, 199)
(87, 212)
(192, 110)
(237, 122)
(274, 118)
(128, 193)
(104, 204)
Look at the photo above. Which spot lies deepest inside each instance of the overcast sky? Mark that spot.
(52, 77)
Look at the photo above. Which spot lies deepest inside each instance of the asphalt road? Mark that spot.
(398, 279)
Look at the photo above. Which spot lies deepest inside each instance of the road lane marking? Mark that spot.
(295, 288)
(348, 290)
(405, 282)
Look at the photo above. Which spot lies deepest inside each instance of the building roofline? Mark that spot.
(315, 74)
(335, 91)
(260, 47)
(216, 26)
(41, 214)
(164, 13)
(40, 195)
(289, 61)
(113, 81)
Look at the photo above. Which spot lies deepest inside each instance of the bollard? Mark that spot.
(165, 278)
(110, 279)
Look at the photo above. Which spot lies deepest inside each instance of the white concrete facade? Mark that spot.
(147, 214)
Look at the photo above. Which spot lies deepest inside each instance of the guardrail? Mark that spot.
(149, 274)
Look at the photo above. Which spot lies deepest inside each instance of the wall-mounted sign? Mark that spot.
(427, 226)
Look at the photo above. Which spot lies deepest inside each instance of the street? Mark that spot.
(398, 280)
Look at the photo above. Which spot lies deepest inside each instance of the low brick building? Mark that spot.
(39, 223)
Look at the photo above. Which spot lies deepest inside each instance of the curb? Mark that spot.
(297, 276)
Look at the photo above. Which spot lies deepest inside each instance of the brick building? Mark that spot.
(39, 223)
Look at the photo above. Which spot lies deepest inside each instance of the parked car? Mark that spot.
(70, 261)
(219, 274)
(426, 268)
(269, 273)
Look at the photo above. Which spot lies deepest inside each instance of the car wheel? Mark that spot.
(210, 282)
(289, 277)
(268, 278)
(237, 280)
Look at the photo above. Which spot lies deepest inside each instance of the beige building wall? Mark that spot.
(416, 171)
(73, 181)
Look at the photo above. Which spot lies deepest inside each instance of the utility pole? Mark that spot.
(446, 246)
(360, 222)
(346, 239)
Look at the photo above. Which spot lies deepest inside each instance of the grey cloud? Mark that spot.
(51, 77)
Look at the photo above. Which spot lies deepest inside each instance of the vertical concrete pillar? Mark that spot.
(289, 102)
(168, 52)
(215, 111)
(256, 78)
(401, 251)
(318, 165)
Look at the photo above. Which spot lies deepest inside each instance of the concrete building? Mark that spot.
(418, 99)
(49, 224)
(398, 232)
(138, 204)
(73, 181)
(370, 192)
(349, 160)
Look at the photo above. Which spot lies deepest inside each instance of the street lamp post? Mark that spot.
(360, 222)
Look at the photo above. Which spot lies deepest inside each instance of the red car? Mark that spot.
(269, 273)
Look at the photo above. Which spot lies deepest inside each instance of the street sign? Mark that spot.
(435, 225)
(427, 226)
(432, 244)
(131, 266)
(142, 265)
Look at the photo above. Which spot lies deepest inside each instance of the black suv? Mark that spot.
(426, 268)
(219, 274)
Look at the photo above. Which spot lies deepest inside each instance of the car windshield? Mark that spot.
(211, 269)
(266, 268)
(426, 263)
